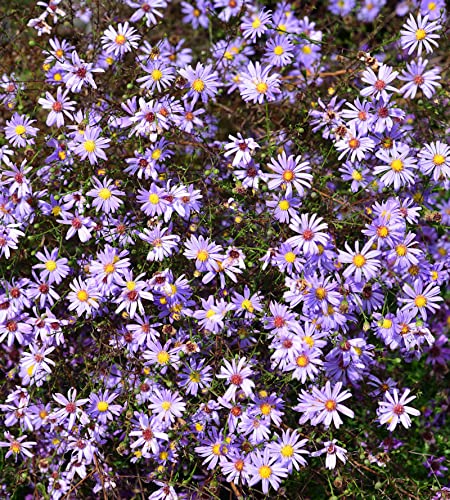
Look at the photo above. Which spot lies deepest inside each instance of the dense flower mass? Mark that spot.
(224, 249)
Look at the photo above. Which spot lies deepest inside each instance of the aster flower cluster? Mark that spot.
(225, 253)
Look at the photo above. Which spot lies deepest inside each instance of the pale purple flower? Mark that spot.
(393, 410)
(79, 73)
(83, 297)
(105, 195)
(237, 376)
(202, 82)
(121, 40)
(58, 107)
(242, 149)
(258, 85)
(167, 405)
(421, 298)
(354, 145)
(19, 131)
(266, 468)
(362, 263)
(71, 409)
(417, 78)
(291, 172)
(333, 452)
(90, 145)
(434, 158)
(310, 229)
(379, 84)
(418, 34)
(17, 446)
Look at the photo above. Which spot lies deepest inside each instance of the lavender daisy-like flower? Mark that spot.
(434, 158)
(132, 293)
(17, 446)
(266, 468)
(379, 84)
(58, 106)
(362, 263)
(149, 432)
(421, 298)
(279, 51)
(310, 229)
(167, 405)
(19, 131)
(398, 167)
(147, 9)
(205, 253)
(328, 405)
(159, 75)
(241, 148)
(163, 245)
(290, 172)
(255, 25)
(105, 195)
(289, 449)
(354, 145)
(121, 40)
(333, 452)
(91, 145)
(101, 408)
(78, 225)
(418, 34)
(53, 270)
(417, 78)
(71, 408)
(394, 410)
(83, 297)
(79, 73)
(202, 81)
(258, 85)
(237, 376)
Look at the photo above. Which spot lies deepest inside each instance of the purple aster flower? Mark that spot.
(147, 9)
(287, 259)
(354, 145)
(435, 467)
(434, 9)
(417, 78)
(214, 449)
(379, 84)
(201, 81)
(83, 297)
(394, 410)
(159, 75)
(434, 158)
(166, 405)
(132, 293)
(196, 15)
(16, 178)
(90, 145)
(279, 51)
(398, 167)
(246, 304)
(19, 131)
(15, 328)
(310, 233)
(333, 452)
(79, 73)
(237, 378)
(359, 114)
(153, 201)
(255, 25)
(243, 149)
(266, 468)
(212, 314)
(257, 85)
(418, 34)
(71, 409)
(289, 172)
(17, 446)
(105, 195)
(421, 298)
(306, 364)
(235, 467)
(404, 254)
(59, 107)
(120, 41)
(161, 356)
(250, 175)
(195, 376)
(9, 237)
(289, 449)
(364, 262)
(163, 245)
(328, 405)
(284, 207)
(341, 7)
(54, 270)
(78, 224)
(149, 432)
(101, 408)
(205, 253)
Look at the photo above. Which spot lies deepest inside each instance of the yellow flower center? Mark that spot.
(359, 260)
(109, 268)
(287, 451)
(308, 341)
(56, 210)
(265, 408)
(401, 250)
(397, 165)
(306, 50)
(50, 265)
(120, 39)
(302, 360)
(434, 275)
(216, 449)
(20, 130)
(431, 6)
(288, 175)
(284, 205)
(210, 313)
(321, 293)
(198, 85)
(438, 159)
(57, 77)
(131, 285)
(386, 323)
(59, 53)
(109, 61)
(247, 305)
(265, 472)
(30, 370)
(15, 447)
(156, 74)
(420, 301)
(82, 296)
(256, 23)
(278, 50)
(262, 87)
(196, 13)
(102, 406)
(89, 146)
(420, 34)
(153, 199)
(156, 155)
(163, 357)
(194, 377)
(290, 257)
(104, 194)
(382, 231)
(165, 405)
(202, 255)
(357, 176)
